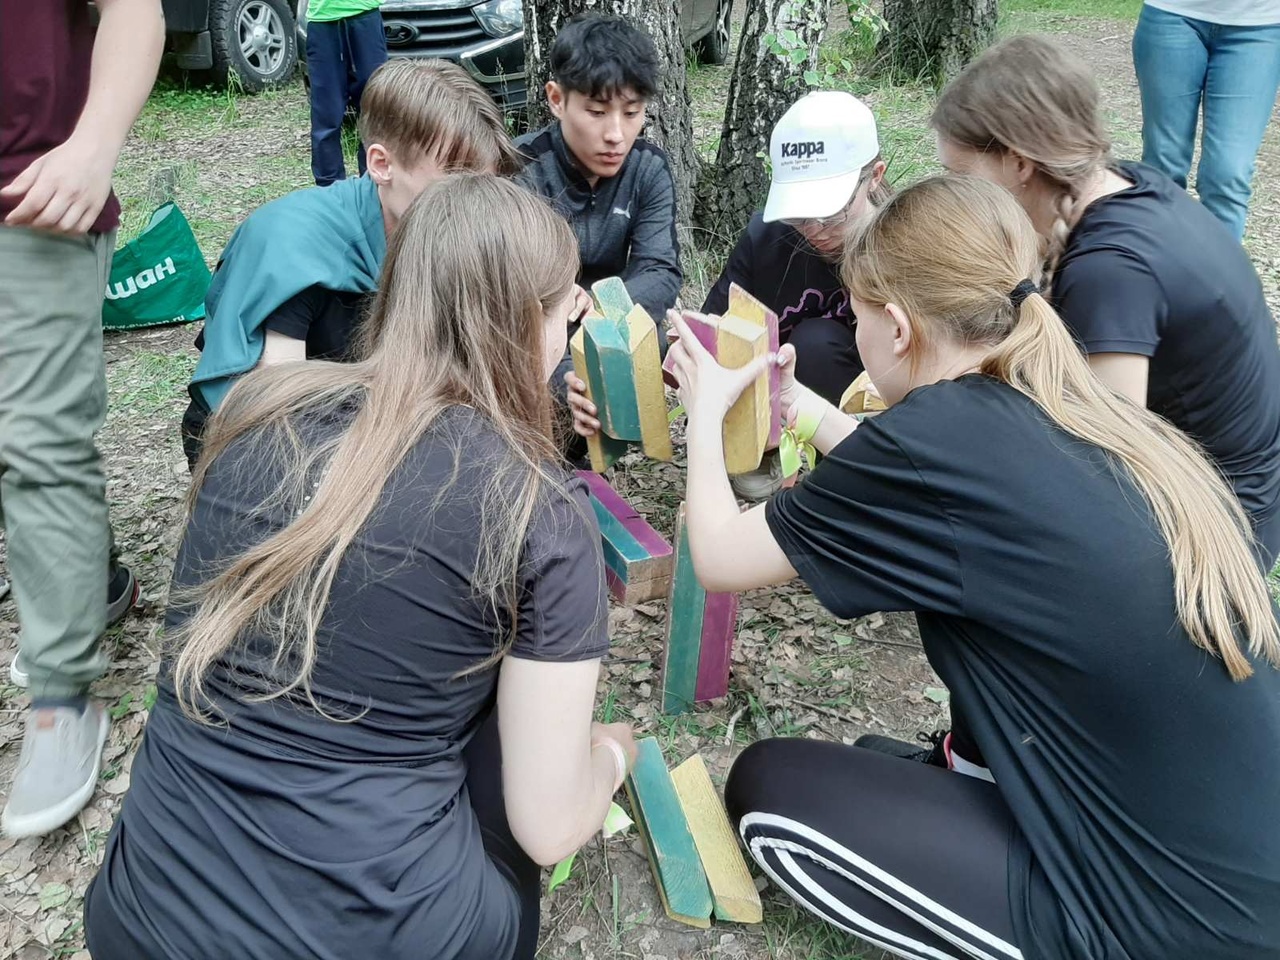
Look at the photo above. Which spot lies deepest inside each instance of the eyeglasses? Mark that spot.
(836, 219)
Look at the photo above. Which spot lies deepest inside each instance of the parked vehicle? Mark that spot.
(252, 42)
(487, 38)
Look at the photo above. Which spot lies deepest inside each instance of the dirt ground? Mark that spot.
(796, 670)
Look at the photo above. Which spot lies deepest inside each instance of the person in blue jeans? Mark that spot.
(1226, 54)
(345, 44)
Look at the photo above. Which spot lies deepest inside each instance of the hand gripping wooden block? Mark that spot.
(602, 449)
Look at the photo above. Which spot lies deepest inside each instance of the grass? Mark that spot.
(147, 382)
(1098, 9)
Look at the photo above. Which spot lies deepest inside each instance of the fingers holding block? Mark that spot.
(748, 423)
(706, 329)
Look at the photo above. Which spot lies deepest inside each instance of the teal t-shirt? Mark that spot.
(326, 10)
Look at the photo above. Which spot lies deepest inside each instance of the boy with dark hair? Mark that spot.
(615, 190)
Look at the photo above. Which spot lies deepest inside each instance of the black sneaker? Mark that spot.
(122, 594)
(930, 749)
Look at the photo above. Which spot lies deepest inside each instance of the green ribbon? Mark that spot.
(796, 439)
(616, 821)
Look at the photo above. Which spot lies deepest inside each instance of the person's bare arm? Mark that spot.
(558, 773)
(65, 189)
(279, 348)
(1125, 373)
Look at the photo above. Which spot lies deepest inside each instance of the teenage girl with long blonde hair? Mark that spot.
(1085, 586)
(1157, 291)
(387, 623)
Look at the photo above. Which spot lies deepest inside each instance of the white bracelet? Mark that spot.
(619, 759)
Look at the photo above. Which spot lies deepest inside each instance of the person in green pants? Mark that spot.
(69, 100)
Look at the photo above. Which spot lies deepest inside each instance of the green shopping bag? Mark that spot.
(158, 277)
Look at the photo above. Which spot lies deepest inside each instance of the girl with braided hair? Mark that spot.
(1158, 293)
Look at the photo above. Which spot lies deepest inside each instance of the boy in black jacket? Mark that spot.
(615, 190)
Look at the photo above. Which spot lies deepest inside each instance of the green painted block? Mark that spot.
(685, 609)
(677, 867)
(611, 298)
(612, 378)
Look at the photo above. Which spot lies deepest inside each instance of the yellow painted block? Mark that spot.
(861, 396)
(746, 426)
(732, 889)
(646, 364)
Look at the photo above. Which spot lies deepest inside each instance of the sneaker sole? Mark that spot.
(51, 818)
(115, 613)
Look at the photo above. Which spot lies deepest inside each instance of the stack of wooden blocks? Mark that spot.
(696, 861)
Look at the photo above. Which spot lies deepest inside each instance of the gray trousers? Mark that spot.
(53, 399)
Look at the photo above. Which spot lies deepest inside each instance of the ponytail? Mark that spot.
(949, 251)
(1218, 590)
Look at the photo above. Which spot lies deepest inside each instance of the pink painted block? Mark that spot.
(626, 514)
(719, 626)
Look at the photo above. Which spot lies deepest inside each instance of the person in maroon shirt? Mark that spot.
(69, 99)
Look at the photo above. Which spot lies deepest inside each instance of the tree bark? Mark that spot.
(670, 118)
(766, 81)
(936, 38)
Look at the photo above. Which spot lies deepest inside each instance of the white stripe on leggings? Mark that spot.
(914, 898)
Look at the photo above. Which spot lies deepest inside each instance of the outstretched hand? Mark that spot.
(707, 389)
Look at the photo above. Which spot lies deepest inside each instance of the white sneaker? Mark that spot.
(761, 483)
(57, 769)
(18, 675)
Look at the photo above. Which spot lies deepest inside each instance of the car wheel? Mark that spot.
(253, 41)
(714, 47)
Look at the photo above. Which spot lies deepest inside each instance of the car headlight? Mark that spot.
(500, 18)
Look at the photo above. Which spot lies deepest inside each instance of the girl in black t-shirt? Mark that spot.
(1159, 294)
(1085, 587)
(387, 621)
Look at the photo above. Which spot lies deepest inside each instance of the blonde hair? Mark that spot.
(949, 251)
(434, 107)
(458, 322)
(1029, 95)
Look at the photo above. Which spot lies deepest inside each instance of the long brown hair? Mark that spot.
(458, 321)
(948, 251)
(435, 106)
(1029, 95)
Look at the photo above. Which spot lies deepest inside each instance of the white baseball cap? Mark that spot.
(817, 151)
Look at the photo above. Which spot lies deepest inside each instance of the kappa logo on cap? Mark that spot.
(803, 149)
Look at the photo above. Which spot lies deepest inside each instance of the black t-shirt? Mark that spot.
(325, 319)
(288, 835)
(1143, 780)
(775, 264)
(1150, 271)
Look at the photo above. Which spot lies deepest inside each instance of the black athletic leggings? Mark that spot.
(909, 857)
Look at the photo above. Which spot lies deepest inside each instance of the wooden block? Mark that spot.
(651, 401)
(719, 626)
(746, 426)
(611, 298)
(601, 449)
(613, 386)
(682, 651)
(638, 559)
(861, 397)
(677, 868)
(706, 330)
(744, 305)
(733, 892)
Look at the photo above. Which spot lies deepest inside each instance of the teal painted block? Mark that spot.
(611, 298)
(613, 386)
(677, 867)
(685, 609)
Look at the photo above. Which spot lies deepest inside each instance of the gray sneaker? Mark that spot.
(761, 483)
(57, 769)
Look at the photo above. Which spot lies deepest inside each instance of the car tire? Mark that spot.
(714, 48)
(254, 41)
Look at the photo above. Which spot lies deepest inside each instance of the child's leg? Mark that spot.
(483, 756)
(327, 68)
(368, 46)
(907, 856)
(826, 356)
